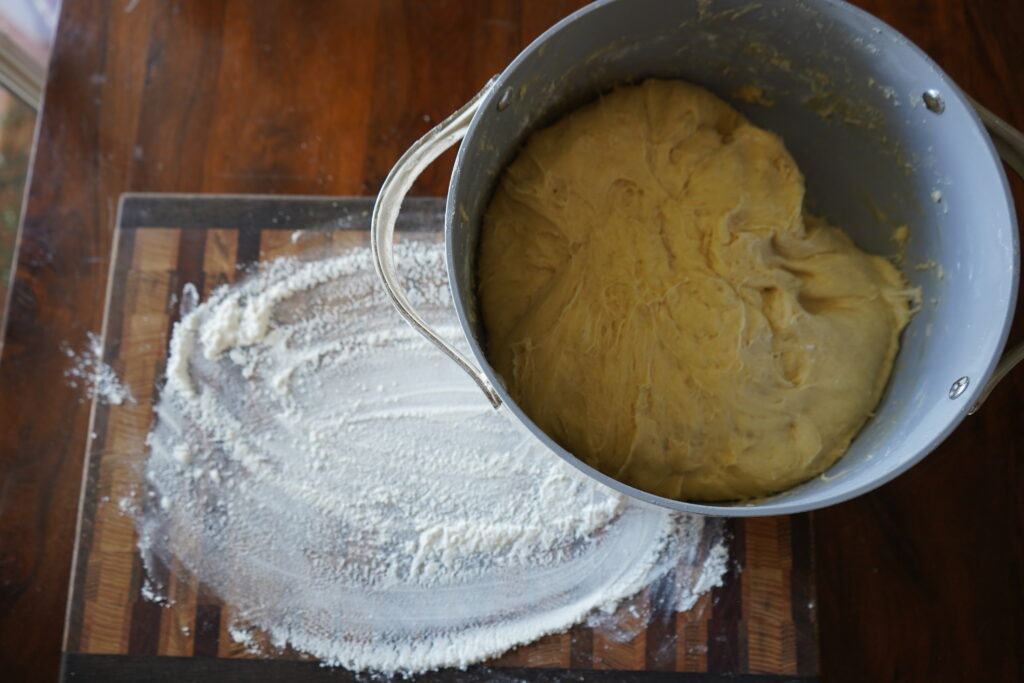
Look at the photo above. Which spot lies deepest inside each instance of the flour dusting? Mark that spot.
(351, 493)
(90, 372)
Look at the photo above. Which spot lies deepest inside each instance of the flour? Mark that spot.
(99, 379)
(351, 493)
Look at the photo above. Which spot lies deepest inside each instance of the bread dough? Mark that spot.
(657, 301)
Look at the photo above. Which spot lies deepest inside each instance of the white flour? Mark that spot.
(349, 492)
(99, 379)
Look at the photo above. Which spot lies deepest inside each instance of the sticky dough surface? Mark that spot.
(657, 301)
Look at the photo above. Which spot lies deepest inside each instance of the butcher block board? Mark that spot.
(759, 626)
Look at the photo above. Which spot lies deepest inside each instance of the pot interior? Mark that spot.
(845, 92)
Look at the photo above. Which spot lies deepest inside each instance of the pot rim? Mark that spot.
(761, 506)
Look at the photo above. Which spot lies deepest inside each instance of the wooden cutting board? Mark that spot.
(760, 625)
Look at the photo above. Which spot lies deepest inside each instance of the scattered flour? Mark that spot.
(350, 493)
(99, 379)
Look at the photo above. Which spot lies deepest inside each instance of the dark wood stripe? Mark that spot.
(132, 669)
(115, 310)
(726, 646)
(581, 647)
(267, 212)
(191, 255)
(144, 634)
(185, 271)
(660, 642)
(207, 636)
(189, 269)
(247, 254)
(802, 588)
(115, 321)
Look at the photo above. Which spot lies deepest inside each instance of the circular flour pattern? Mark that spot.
(350, 493)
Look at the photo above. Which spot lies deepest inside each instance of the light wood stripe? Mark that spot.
(692, 636)
(275, 244)
(550, 651)
(766, 597)
(219, 258)
(230, 648)
(609, 652)
(156, 250)
(178, 623)
(103, 624)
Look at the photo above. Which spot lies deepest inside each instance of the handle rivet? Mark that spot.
(506, 99)
(933, 100)
(959, 387)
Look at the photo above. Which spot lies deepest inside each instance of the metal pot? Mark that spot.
(883, 138)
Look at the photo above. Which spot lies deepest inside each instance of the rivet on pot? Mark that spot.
(933, 100)
(959, 387)
(506, 99)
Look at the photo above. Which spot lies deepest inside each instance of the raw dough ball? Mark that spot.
(658, 303)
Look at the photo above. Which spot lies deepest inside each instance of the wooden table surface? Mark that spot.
(922, 579)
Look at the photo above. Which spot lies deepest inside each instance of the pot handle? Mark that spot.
(1009, 142)
(385, 212)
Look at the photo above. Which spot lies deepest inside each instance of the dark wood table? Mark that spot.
(921, 580)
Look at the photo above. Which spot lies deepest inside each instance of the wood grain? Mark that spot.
(919, 580)
(924, 578)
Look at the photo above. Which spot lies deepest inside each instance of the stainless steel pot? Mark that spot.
(883, 138)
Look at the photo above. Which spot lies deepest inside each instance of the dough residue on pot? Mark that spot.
(658, 302)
